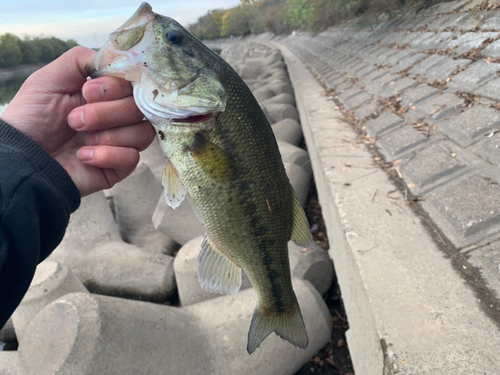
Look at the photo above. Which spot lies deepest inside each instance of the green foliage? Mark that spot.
(283, 16)
(9, 88)
(15, 51)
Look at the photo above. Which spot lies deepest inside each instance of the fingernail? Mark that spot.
(75, 119)
(85, 154)
(92, 139)
(93, 92)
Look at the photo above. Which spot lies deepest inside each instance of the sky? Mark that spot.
(89, 22)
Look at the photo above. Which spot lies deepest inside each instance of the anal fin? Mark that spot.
(216, 272)
(175, 192)
(301, 233)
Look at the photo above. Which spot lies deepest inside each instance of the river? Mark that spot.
(8, 89)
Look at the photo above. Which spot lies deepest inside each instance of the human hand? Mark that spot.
(101, 145)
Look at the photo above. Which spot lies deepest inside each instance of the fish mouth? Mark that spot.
(193, 120)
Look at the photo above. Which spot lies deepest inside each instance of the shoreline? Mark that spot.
(20, 71)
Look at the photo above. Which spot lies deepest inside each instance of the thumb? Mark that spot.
(68, 72)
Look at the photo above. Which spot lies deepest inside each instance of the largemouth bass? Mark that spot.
(221, 154)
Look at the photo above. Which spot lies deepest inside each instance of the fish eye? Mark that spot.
(173, 36)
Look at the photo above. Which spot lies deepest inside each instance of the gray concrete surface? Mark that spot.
(409, 309)
(90, 334)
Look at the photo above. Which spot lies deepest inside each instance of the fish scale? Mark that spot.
(221, 154)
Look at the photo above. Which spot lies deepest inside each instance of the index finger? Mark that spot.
(106, 89)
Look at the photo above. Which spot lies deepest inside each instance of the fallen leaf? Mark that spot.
(397, 162)
(411, 186)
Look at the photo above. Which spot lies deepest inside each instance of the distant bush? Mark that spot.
(283, 16)
(15, 51)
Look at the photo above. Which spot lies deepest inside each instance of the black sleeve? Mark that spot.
(37, 197)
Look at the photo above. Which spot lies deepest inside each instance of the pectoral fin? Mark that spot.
(216, 272)
(174, 191)
(301, 234)
(216, 163)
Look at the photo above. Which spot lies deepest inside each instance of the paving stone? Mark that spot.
(440, 106)
(405, 63)
(366, 71)
(488, 149)
(343, 96)
(470, 204)
(441, 22)
(91, 334)
(445, 68)
(418, 94)
(490, 90)
(493, 50)
(367, 109)
(469, 126)
(399, 86)
(384, 122)
(473, 41)
(379, 83)
(431, 164)
(492, 21)
(419, 37)
(487, 260)
(425, 65)
(383, 57)
(463, 21)
(398, 56)
(357, 100)
(435, 40)
(391, 38)
(399, 141)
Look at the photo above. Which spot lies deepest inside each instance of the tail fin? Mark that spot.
(288, 327)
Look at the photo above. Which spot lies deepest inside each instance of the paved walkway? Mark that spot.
(417, 255)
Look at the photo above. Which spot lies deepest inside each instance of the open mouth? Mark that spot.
(193, 119)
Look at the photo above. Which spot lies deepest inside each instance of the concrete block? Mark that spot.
(440, 106)
(405, 63)
(487, 259)
(7, 332)
(491, 21)
(397, 142)
(281, 99)
(381, 82)
(445, 68)
(357, 100)
(348, 93)
(263, 94)
(474, 76)
(251, 71)
(470, 125)
(490, 90)
(90, 225)
(287, 130)
(293, 154)
(135, 199)
(493, 50)
(398, 86)
(186, 275)
(51, 281)
(154, 158)
(91, 334)
(488, 149)
(300, 181)
(367, 109)
(180, 224)
(470, 204)
(280, 88)
(432, 164)
(277, 112)
(467, 42)
(383, 123)
(119, 269)
(8, 363)
(418, 94)
(312, 264)
(425, 65)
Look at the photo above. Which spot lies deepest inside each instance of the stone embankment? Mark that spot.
(99, 303)
(401, 118)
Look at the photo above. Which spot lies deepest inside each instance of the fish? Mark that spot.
(222, 155)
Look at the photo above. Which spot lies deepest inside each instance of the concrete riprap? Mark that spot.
(51, 281)
(435, 122)
(91, 334)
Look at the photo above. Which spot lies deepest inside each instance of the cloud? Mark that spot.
(90, 22)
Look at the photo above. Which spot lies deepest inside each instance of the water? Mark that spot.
(8, 89)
